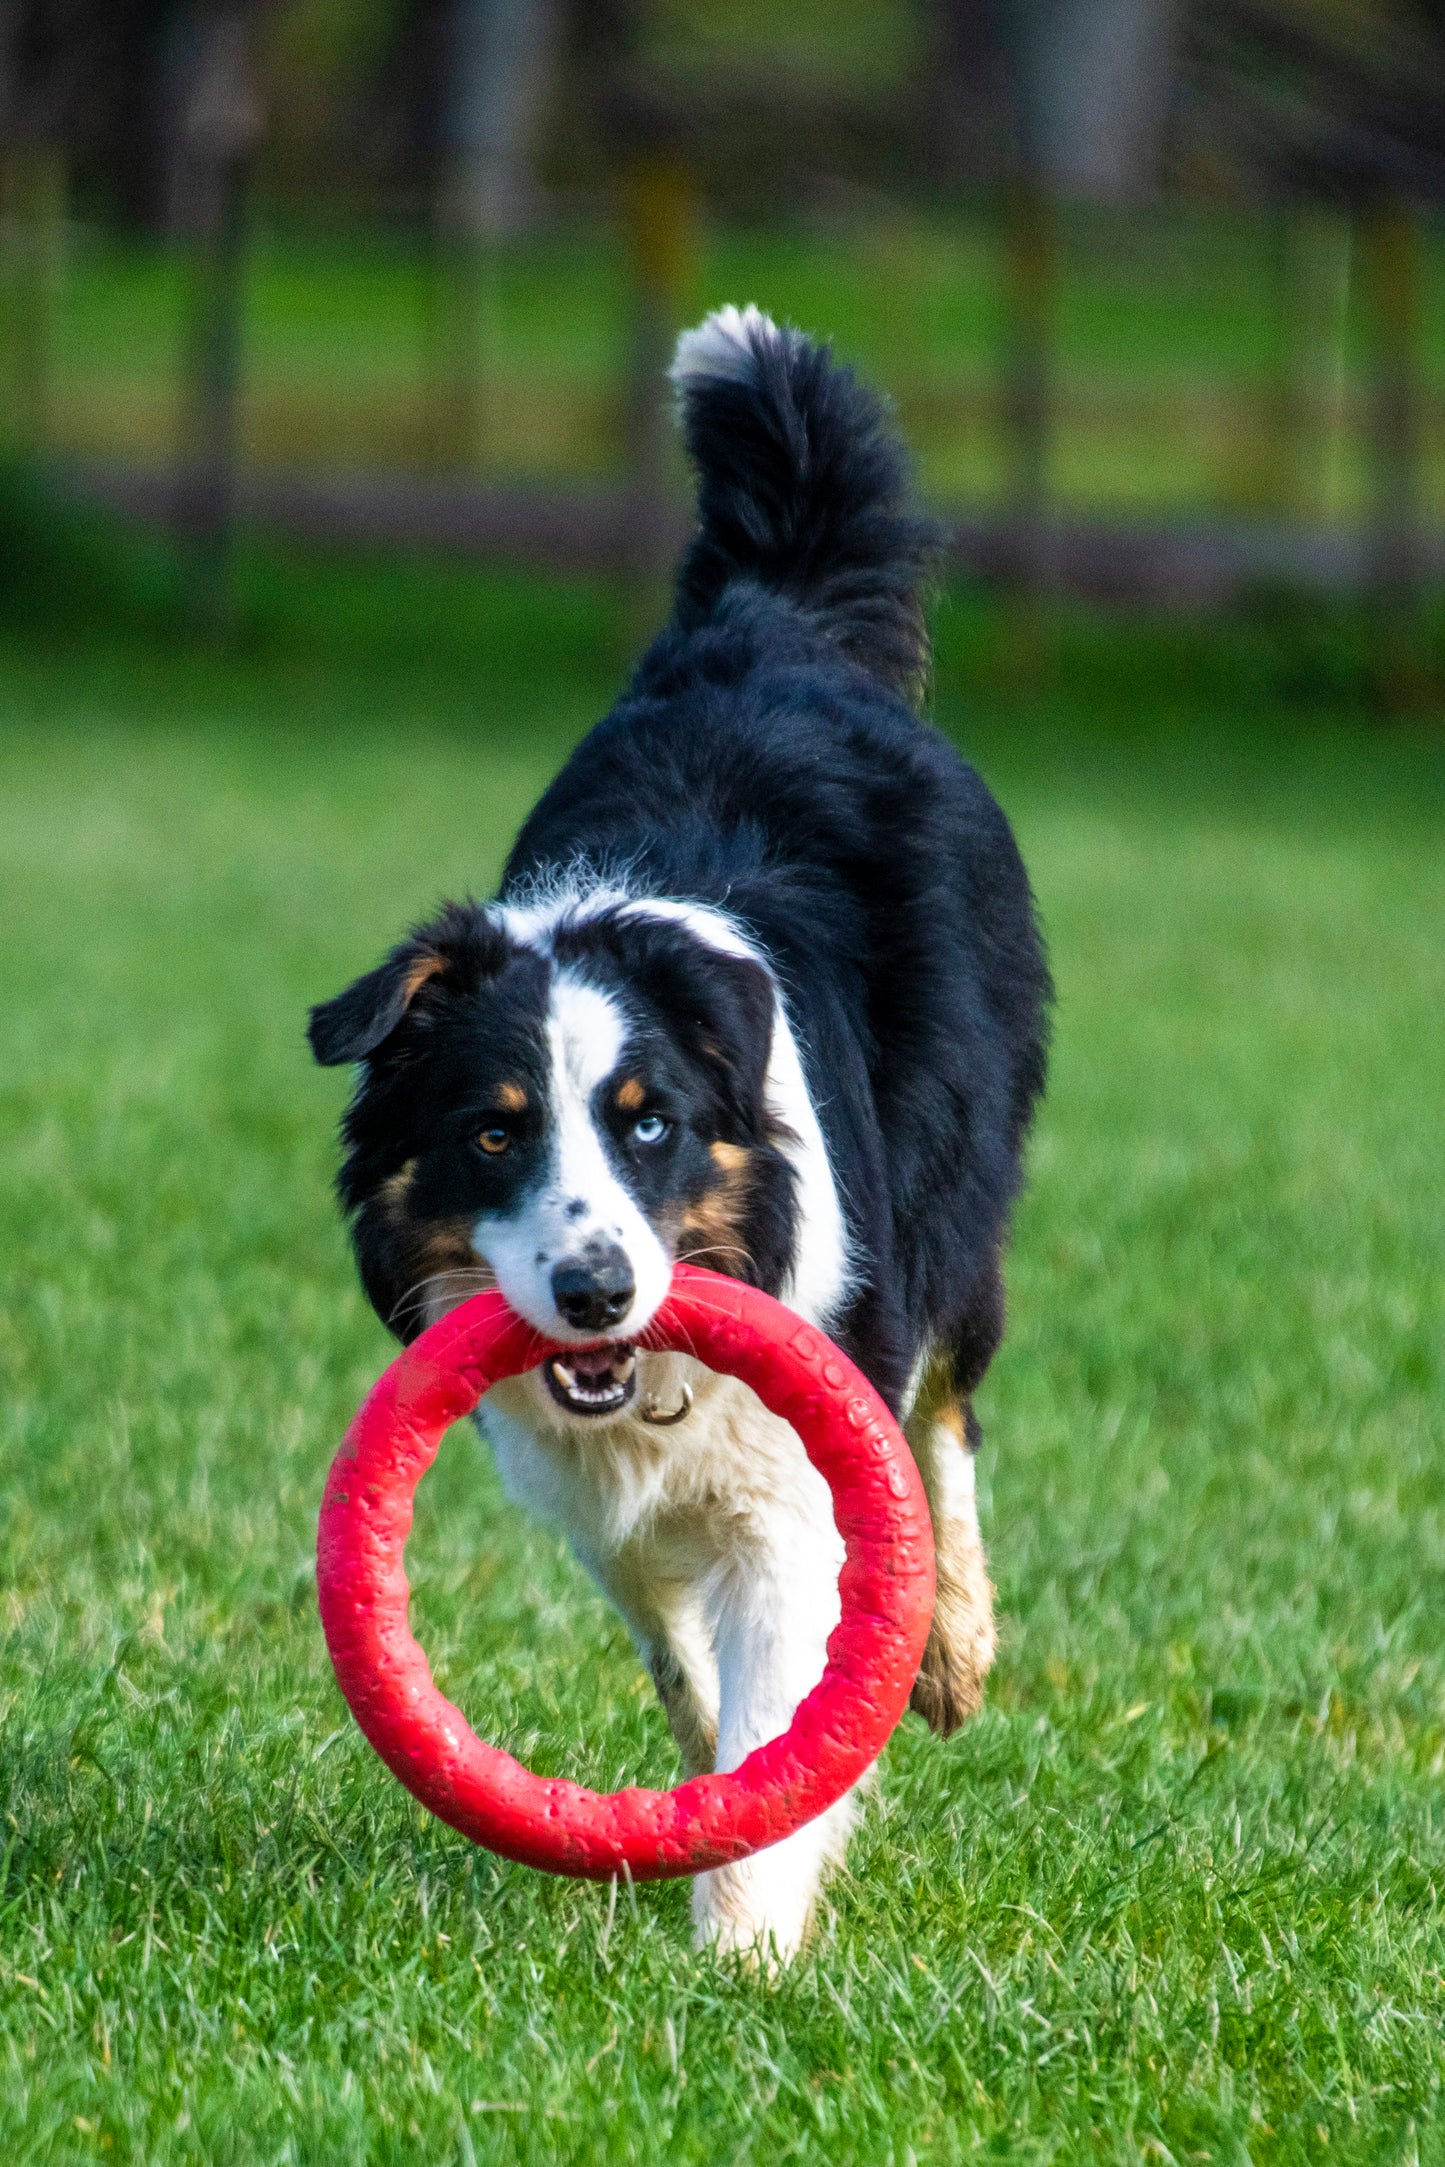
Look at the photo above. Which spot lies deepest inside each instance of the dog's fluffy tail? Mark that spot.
(802, 488)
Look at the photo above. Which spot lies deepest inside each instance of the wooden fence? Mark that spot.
(1344, 383)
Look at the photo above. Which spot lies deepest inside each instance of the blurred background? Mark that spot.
(1158, 287)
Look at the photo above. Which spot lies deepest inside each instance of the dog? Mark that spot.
(762, 988)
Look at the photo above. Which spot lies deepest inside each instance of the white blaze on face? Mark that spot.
(822, 1275)
(581, 1200)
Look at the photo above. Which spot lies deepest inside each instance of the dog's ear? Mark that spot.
(460, 947)
(732, 1012)
(365, 1015)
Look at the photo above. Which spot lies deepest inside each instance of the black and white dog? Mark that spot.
(761, 988)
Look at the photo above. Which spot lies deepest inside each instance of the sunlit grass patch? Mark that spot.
(1174, 1895)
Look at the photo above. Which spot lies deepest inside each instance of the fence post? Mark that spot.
(497, 61)
(1029, 243)
(34, 194)
(1320, 273)
(1391, 263)
(221, 128)
(33, 210)
(455, 289)
(1272, 446)
(660, 225)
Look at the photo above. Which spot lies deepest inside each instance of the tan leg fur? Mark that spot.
(960, 1651)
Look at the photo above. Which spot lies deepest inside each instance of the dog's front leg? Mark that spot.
(962, 1639)
(672, 1633)
(774, 1603)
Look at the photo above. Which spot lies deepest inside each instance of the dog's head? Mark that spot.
(562, 1113)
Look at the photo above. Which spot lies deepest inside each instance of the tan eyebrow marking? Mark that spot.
(630, 1094)
(511, 1098)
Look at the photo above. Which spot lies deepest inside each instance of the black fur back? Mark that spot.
(752, 765)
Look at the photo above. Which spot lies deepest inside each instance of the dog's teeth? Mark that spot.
(591, 1387)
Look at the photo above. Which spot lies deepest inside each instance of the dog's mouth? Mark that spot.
(594, 1380)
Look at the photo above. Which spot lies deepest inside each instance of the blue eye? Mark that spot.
(649, 1130)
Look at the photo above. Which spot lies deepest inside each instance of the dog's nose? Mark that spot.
(594, 1292)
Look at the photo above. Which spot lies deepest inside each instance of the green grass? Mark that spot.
(1175, 1895)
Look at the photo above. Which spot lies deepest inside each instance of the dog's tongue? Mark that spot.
(595, 1365)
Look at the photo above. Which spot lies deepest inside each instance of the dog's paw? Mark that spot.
(764, 1937)
(960, 1652)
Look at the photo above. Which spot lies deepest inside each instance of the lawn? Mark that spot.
(1175, 1895)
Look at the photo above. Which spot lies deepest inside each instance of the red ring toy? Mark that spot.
(886, 1587)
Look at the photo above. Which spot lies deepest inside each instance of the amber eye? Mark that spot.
(494, 1139)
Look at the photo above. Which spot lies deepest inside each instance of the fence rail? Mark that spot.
(1193, 564)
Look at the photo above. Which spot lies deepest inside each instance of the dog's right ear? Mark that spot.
(365, 1015)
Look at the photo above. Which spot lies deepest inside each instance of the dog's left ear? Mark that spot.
(365, 1015)
(732, 1016)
